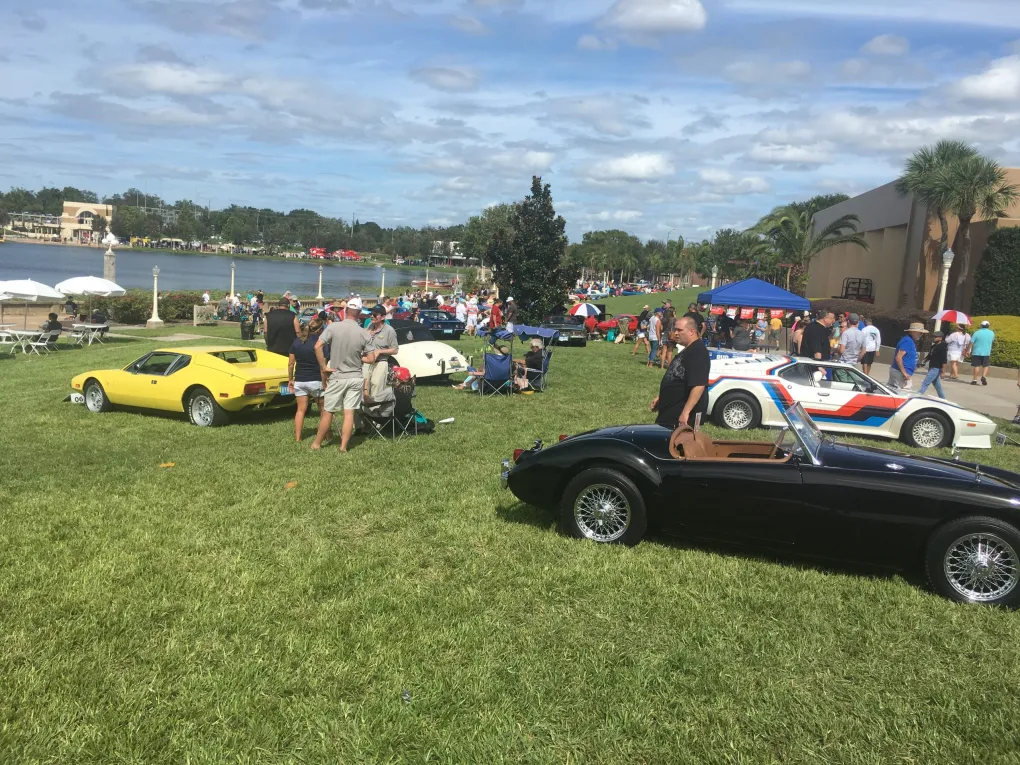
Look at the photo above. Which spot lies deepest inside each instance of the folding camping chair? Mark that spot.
(496, 378)
(537, 377)
(399, 420)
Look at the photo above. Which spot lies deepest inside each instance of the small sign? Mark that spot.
(777, 313)
(717, 310)
(746, 313)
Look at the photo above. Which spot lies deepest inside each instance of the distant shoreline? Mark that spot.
(127, 248)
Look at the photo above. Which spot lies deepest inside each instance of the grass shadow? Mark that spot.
(528, 515)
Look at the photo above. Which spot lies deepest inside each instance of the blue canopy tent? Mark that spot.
(754, 293)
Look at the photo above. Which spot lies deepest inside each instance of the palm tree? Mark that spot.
(919, 179)
(789, 229)
(969, 186)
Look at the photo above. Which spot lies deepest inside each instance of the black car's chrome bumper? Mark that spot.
(504, 477)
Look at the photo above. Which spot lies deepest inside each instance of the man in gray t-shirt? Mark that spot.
(347, 343)
(383, 343)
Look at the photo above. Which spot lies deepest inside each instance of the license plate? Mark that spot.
(447, 331)
(285, 389)
(77, 398)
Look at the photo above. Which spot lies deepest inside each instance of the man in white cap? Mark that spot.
(511, 314)
(905, 361)
(981, 353)
(342, 374)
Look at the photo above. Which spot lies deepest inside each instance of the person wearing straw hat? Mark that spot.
(905, 361)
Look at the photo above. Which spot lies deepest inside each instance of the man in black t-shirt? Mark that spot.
(683, 392)
(693, 313)
(814, 343)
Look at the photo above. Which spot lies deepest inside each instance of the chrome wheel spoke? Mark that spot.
(737, 415)
(981, 566)
(927, 433)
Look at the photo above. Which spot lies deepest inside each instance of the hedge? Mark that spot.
(136, 306)
(1006, 348)
(997, 281)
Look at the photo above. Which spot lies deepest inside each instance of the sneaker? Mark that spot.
(973, 382)
(984, 381)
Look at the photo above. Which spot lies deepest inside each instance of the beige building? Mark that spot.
(903, 262)
(76, 221)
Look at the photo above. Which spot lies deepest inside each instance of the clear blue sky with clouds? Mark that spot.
(646, 115)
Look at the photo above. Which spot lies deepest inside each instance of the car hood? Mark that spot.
(847, 456)
(423, 347)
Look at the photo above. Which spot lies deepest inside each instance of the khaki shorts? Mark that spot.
(344, 394)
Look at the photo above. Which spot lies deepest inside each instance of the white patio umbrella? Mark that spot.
(89, 286)
(27, 291)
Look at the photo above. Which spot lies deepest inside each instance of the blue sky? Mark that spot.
(646, 115)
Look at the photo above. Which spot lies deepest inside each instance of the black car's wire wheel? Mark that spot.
(737, 411)
(96, 399)
(975, 560)
(604, 505)
(927, 430)
(203, 410)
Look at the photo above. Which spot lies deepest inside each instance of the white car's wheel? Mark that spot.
(927, 430)
(737, 411)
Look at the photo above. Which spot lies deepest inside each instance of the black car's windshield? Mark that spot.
(561, 321)
(436, 315)
(803, 429)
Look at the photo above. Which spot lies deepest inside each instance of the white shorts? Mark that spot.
(472, 321)
(313, 389)
(344, 394)
(955, 355)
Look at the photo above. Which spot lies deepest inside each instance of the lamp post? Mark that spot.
(947, 263)
(154, 321)
(668, 259)
(319, 295)
(715, 276)
(231, 278)
(382, 287)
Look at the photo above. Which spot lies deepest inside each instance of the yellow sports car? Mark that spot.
(207, 382)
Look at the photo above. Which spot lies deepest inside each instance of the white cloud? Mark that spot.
(724, 182)
(469, 25)
(618, 215)
(883, 71)
(172, 79)
(767, 72)
(789, 154)
(1000, 82)
(633, 167)
(591, 42)
(608, 114)
(655, 16)
(987, 13)
(887, 45)
(452, 79)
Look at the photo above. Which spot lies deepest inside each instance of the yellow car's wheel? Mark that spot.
(96, 399)
(204, 411)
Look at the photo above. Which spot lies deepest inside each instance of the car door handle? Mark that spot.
(822, 394)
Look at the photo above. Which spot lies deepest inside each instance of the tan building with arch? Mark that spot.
(903, 262)
(76, 220)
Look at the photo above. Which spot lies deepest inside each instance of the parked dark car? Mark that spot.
(571, 329)
(441, 324)
(805, 494)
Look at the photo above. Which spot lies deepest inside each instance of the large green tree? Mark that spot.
(528, 257)
(969, 186)
(920, 179)
(997, 280)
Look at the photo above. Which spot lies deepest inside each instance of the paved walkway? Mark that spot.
(175, 338)
(997, 399)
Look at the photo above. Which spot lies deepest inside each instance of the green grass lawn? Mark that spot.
(633, 303)
(395, 605)
(232, 331)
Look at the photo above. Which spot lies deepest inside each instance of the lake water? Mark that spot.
(51, 264)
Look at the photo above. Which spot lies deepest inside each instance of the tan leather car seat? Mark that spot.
(684, 443)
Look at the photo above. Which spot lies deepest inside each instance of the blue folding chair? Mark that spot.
(537, 377)
(496, 379)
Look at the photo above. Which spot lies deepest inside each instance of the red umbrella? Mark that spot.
(952, 317)
(584, 309)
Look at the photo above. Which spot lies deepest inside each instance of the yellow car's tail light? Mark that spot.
(255, 389)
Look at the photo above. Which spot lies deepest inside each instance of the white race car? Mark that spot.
(422, 354)
(752, 390)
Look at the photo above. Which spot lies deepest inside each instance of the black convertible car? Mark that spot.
(805, 493)
(571, 329)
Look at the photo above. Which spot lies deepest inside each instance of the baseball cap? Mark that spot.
(379, 310)
(354, 304)
(854, 318)
(402, 373)
(986, 324)
(509, 300)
